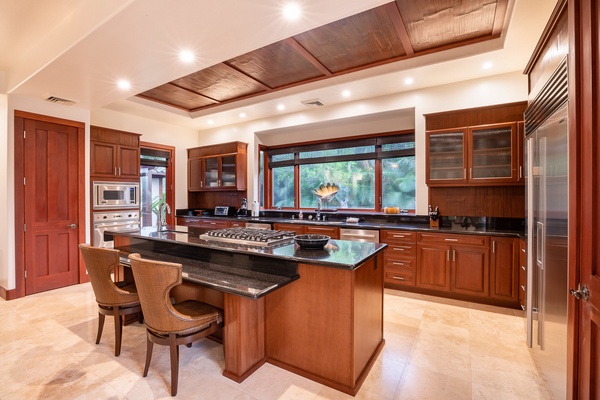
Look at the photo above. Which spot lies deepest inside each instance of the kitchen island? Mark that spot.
(317, 313)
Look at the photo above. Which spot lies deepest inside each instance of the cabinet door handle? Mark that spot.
(398, 263)
(447, 255)
(398, 236)
(400, 278)
(201, 183)
(453, 255)
(115, 170)
(465, 173)
(493, 246)
(451, 240)
(470, 173)
(520, 172)
(523, 267)
(119, 171)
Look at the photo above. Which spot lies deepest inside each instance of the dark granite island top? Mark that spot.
(245, 270)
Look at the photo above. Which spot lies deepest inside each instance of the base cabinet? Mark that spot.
(433, 271)
(470, 270)
(504, 266)
(400, 257)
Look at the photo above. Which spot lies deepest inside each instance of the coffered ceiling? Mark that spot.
(395, 31)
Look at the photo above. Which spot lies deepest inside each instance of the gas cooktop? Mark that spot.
(249, 236)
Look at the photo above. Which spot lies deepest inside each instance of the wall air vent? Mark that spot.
(313, 103)
(58, 100)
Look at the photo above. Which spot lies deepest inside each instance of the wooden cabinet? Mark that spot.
(219, 167)
(478, 155)
(504, 266)
(453, 263)
(331, 231)
(203, 222)
(114, 154)
(523, 273)
(400, 257)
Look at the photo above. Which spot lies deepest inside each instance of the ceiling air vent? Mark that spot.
(58, 100)
(313, 103)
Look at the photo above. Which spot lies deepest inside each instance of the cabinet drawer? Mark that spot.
(331, 231)
(401, 250)
(401, 266)
(392, 236)
(399, 277)
(236, 224)
(452, 239)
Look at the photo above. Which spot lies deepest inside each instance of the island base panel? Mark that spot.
(244, 336)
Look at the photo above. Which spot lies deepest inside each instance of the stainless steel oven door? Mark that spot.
(126, 221)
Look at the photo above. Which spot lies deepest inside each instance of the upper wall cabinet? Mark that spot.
(219, 167)
(114, 154)
(464, 149)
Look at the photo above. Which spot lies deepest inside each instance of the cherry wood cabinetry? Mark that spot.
(205, 222)
(523, 273)
(453, 263)
(218, 167)
(504, 268)
(400, 257)
(114, 154)
(478, 155)
(331, 231)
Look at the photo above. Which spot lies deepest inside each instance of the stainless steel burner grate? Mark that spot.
(249, 236)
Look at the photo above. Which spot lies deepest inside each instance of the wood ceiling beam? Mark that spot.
(309, 57)
(501, 8)
(394, 13)
(214, 101)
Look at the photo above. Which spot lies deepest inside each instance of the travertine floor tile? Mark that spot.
(435, 349)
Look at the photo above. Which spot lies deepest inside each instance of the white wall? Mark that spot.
(383, 114)
(152, 131)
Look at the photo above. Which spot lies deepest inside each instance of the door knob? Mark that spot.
(581, 293)
(73, 226)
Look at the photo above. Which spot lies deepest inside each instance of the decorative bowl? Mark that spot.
(311, 241)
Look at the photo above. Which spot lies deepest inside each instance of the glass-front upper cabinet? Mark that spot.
(493, 153)
(211, 172)
(482, 155)
(228, 170)
(446, 156)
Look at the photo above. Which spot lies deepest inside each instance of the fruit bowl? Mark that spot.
(311, 241)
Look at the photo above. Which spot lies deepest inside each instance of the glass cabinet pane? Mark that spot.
(211, 172)
(228, 171)
(492, 153)
(446, 156)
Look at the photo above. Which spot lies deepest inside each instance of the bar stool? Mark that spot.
(114, 299)
(170, 324)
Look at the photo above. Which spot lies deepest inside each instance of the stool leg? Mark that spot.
(149, 347)
(118, 331)
(100, 327)
(174, 349)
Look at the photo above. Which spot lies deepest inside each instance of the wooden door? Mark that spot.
(584, 199)
(52, 186)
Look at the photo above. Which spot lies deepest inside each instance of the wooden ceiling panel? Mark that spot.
(178, 97)
(359, 40)
(436, 23)
(395, 31)
(221, 83)
(276, 65)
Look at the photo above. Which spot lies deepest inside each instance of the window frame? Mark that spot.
(378, 140)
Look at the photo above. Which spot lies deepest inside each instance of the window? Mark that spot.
(371, 173)
(155, 165)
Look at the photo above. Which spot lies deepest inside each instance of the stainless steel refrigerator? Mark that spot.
(547, 220)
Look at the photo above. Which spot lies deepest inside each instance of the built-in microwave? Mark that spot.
(107, 195)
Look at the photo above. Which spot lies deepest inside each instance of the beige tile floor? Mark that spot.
(435, 349)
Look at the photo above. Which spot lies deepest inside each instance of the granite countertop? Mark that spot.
(244, 270)
(420, 224)
(337, 253)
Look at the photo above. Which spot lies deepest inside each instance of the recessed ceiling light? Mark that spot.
(346, 93)
(123, 84)
(487, 65)
(242, 115)
(280, 107)
(186, 56)
(210, 122)
(291, 11)
(409, 81)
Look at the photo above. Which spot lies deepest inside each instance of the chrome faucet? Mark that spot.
(319, 206)
(163, 209)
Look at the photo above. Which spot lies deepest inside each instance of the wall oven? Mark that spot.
(113, 221)
(115, 195)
